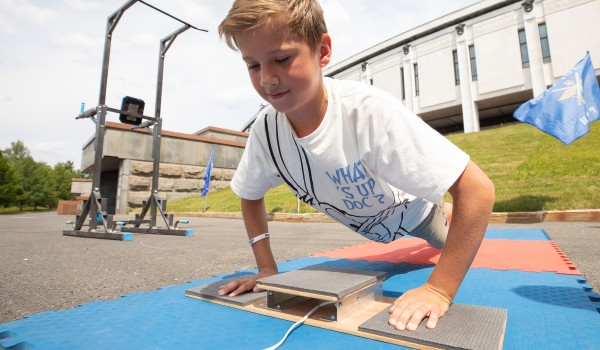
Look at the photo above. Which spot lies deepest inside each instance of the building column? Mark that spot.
(408, 78)
(469, 108)
(122, 206)
(534, 50)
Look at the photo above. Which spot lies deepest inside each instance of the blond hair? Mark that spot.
(303, 18)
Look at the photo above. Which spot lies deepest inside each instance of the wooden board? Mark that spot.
(369, 320)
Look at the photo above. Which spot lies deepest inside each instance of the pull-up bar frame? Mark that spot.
(94, 209)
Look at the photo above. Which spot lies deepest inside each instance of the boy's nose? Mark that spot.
(268, 77)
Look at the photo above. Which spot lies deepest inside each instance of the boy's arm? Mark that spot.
(255, 220)
(473, 200)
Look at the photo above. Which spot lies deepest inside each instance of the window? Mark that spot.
(473, 62)
(544, 42)
(523, 46)
(402, 82)
(416, 69)
(456, 72)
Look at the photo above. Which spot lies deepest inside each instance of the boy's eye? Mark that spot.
(253, 66)
(282, 60)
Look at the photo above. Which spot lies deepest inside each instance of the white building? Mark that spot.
(475, 66)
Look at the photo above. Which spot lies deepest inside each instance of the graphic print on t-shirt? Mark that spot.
(356, 190)
(356, 186)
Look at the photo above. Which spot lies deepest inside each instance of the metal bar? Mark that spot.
(122, 9)
(120, 236)
(114, 18)
(113, 24)
(159, 231)
(145, 207)
(171, 38)
(100, 126)
(162, 213)
(87, 114)
(83, 215)
(167, 14)
(165, 43)
(105, 62)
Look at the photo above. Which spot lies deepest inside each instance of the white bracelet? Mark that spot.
(258, 238)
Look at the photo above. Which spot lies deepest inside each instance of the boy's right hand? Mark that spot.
(243, 285)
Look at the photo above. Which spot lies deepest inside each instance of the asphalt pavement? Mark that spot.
(42, 270)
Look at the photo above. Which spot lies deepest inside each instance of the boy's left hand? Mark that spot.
(416, 304)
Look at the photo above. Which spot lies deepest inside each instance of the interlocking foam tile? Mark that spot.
(499, 254)
(532, 234)
(484, 326)
(518, 234)
(545, 311)
(167, 319)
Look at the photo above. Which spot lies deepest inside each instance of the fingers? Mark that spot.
(243, 285)
(237, 287)
(433, 319)
(411, 308)
(408, 317)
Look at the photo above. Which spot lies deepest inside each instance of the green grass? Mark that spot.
(277, 200)
(15, 210)
(531, 170)
(534, 171)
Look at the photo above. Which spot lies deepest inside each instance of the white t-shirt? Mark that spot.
(372, 164)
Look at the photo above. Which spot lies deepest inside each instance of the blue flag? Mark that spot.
(206, 177)
(567, 108)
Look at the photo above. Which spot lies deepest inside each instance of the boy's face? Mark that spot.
(284, 70)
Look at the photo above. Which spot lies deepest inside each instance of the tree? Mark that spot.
(41, 186)
(17, 151)
(34, 183)
(62, 175)
(24, 168)
(9, 183)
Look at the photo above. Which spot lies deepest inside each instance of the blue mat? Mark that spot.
(514, 234)
(545, 311)
(517, 234)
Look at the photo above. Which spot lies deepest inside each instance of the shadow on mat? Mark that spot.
(570, 297)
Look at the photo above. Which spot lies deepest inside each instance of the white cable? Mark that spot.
(298, 323)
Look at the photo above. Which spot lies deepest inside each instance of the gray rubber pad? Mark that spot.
(210, 291)
(462, 327)
(323, 280)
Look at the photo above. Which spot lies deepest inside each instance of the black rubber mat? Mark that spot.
(323, 280)
(462, 327)
(210, 291)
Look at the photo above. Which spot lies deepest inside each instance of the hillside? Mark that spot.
(531, 170)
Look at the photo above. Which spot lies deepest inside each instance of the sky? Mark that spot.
(51, 59)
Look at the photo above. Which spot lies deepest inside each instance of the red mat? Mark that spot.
(496, 254)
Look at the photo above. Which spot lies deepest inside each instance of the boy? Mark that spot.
(351, 151)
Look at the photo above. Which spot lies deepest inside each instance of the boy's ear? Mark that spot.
(325, 50)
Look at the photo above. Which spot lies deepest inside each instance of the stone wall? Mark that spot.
(176, 181)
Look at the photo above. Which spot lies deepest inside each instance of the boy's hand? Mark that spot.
(244, 285)
(416, 304)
